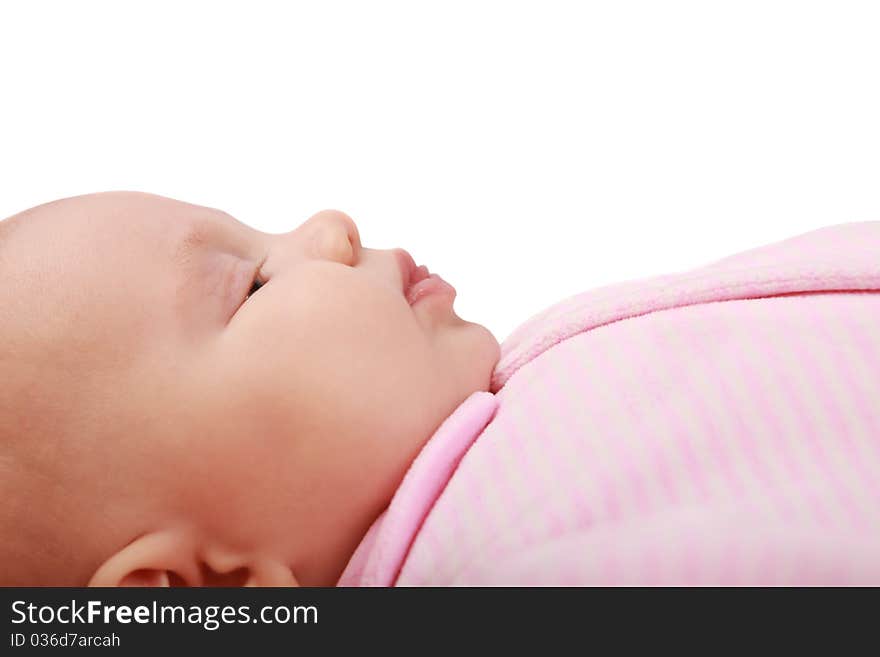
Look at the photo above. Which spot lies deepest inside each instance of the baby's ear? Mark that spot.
(173, 557)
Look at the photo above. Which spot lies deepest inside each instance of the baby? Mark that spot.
(188, 401)
(185, 400)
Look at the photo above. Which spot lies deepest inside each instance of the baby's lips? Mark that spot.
(419, 274)
(407, 267)
(433, 284)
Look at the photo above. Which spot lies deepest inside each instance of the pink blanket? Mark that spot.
(719, 426)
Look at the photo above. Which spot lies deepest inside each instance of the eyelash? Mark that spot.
(256, 285)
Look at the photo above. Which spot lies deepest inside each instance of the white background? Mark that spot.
(526, 151)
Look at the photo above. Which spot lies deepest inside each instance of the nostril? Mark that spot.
(336, 245)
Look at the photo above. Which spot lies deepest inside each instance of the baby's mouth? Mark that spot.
(418, 282)
(420, 273)
(424, 283)
(409, 273)
(416, 275)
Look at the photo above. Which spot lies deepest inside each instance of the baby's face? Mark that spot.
(283, 420)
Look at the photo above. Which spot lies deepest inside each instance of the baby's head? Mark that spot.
(158, 425)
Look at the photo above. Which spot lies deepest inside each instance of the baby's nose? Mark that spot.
(336, 236)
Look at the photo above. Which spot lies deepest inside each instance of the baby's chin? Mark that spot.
(483, 353)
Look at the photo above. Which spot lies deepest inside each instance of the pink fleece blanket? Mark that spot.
(719, 426)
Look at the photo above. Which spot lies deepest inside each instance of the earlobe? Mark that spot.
(175, 557)
(152, 560)
(268, 572)
(150, 578)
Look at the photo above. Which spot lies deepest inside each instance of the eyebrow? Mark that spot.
(187, 244)
(191, 265)
(194, 237)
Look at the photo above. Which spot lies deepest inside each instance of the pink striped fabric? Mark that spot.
(719, 426)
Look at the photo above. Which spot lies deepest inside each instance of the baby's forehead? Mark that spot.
(132, 209)
(102, 211)
(94, 278)
(90, 243)
(89, 224)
